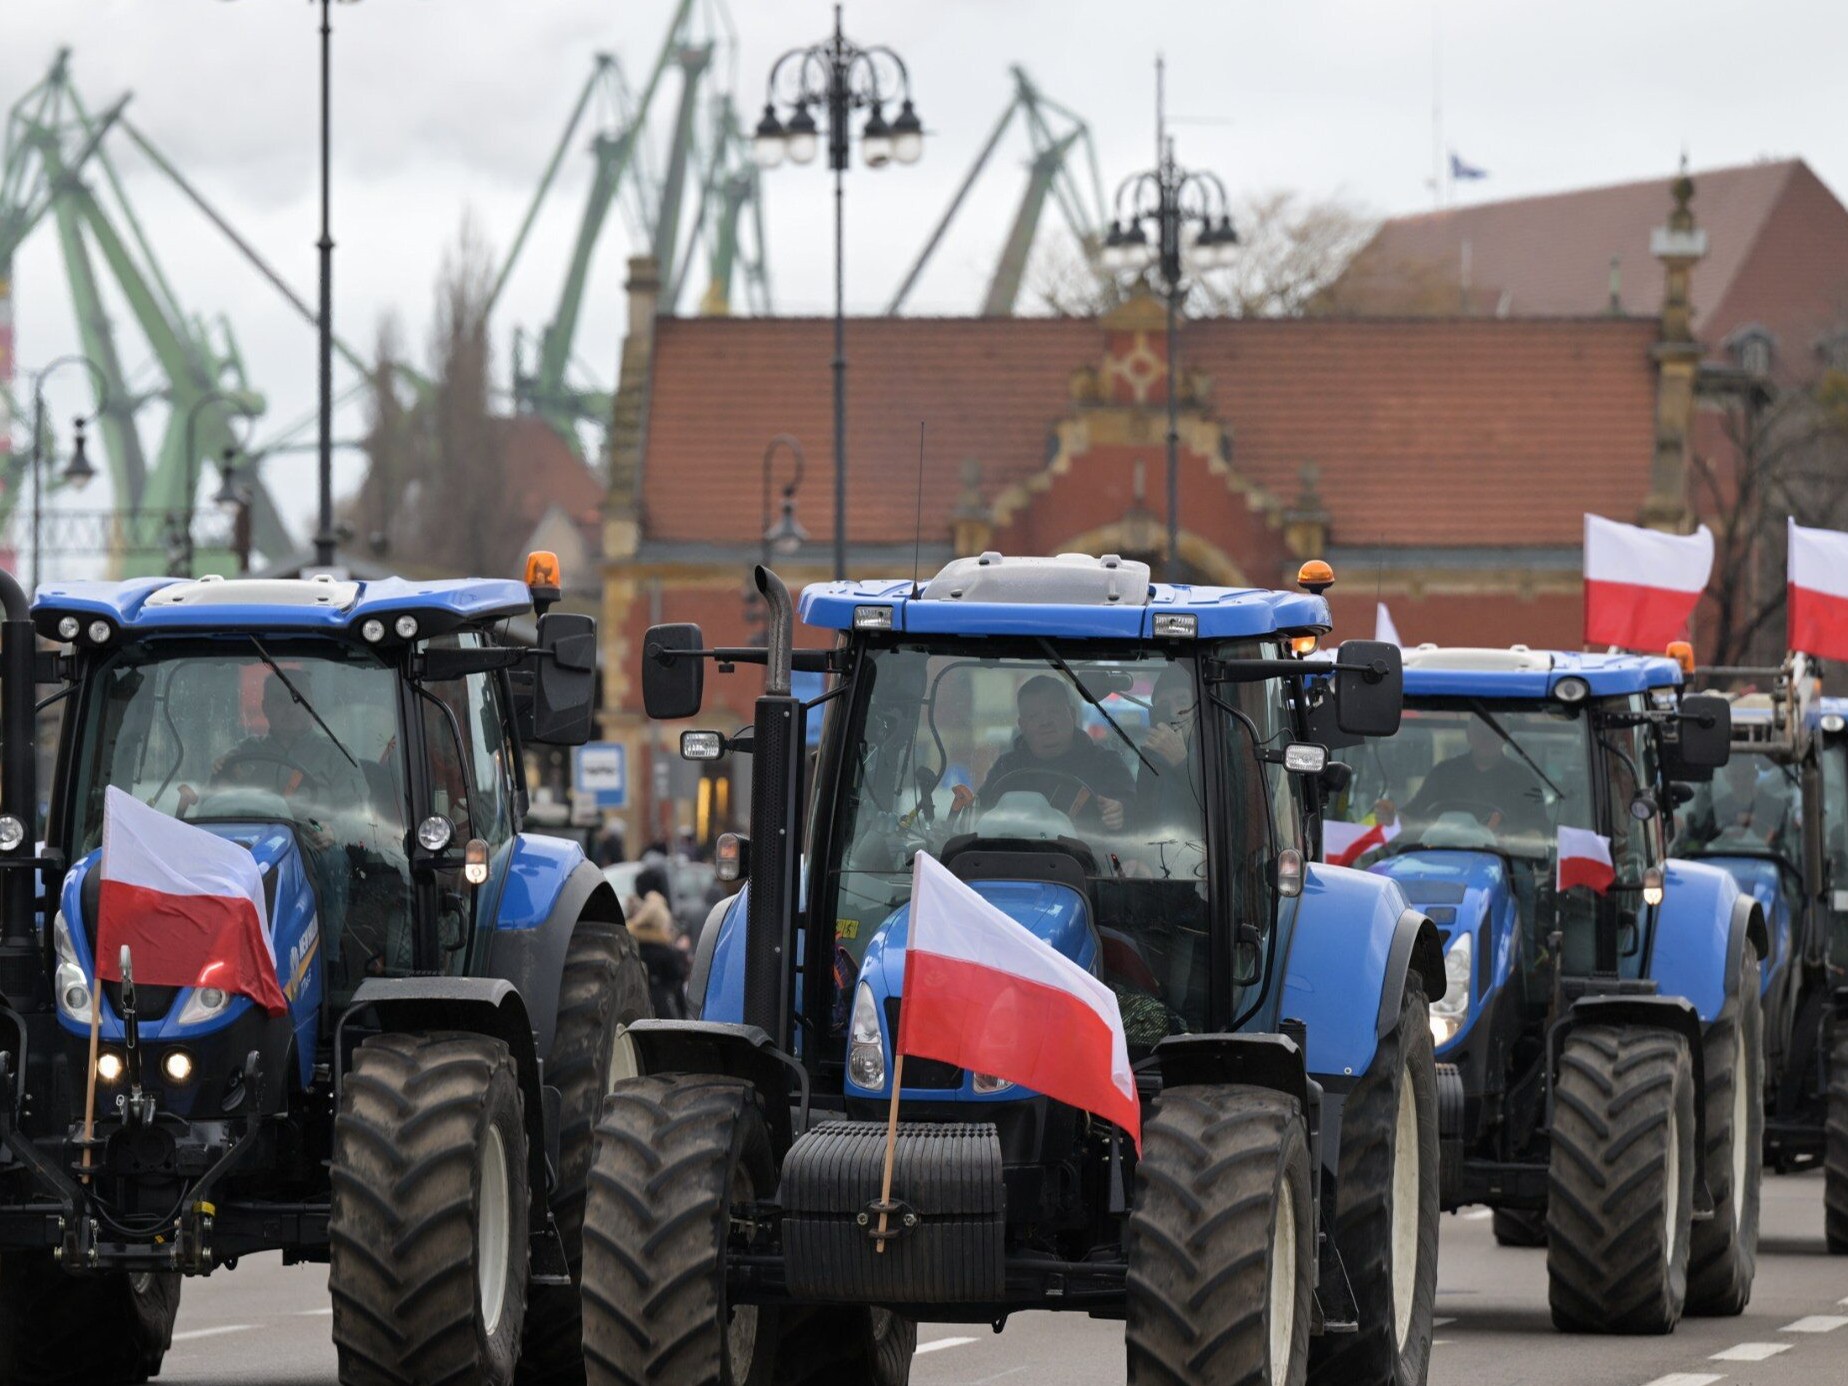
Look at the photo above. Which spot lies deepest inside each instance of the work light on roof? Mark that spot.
(1177, 625)
(406, 626)
(99, 632)
(69, 627)
(1571, 690)
(872, 618)
(372, 630)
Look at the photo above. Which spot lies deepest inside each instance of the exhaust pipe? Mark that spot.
(19, 962)
(776, 825)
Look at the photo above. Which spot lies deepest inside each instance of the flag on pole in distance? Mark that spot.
(1585, 860)
(1818, 593)
(1343, 844)
(1641, 586)
(188, 905)
(984, 993)
(1464, 172)
(1384, 629)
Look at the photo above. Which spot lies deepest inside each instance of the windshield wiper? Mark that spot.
(1496, 727)
(1053, 658)
(306, 706)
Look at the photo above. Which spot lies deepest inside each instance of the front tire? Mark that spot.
(1220, 1244)
(1519, 1227)
(1835, 1149)
(1387, 1216)
(1620, 1182)
(92, 1330)
(844, 1345)
(603, 992)
(673, 1157)
(428, 1223)
(1723, 1255)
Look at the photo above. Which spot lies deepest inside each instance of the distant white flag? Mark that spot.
(1384, 629)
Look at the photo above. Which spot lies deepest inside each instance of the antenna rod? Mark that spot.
(917, 540)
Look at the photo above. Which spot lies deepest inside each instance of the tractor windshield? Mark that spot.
(1748, 808)
(1049, 750)
(299, 732)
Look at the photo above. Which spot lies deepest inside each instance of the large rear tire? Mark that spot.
(91, 1330)
(1221, 1248)
(1620, 1182)
(1723, 1255)
(1835, 1148)
(674, 1157)
(603, 992)
(428, 1223)
(1387, 1214)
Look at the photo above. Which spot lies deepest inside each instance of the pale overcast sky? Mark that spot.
(447, 106)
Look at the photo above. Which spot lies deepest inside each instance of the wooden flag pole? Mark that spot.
(885, 1190)
(89, 1101)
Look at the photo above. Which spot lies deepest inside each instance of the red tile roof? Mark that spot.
(1427, 432)
(1777, 246)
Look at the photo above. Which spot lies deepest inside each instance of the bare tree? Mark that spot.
(1292, 248)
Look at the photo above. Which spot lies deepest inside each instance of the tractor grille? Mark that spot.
(922, 1073)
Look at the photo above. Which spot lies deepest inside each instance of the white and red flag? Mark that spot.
(187, 903)
(986, 994)
(1818, 591)
(1585, 860)
(1344, 843)
(1641, 586)
(1383, 627)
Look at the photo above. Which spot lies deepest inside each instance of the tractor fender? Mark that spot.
(1354, 943)
(1263, 1061)
(550, 885)
(1672, 1013)
(490, 1006)
(730, 1051)
(1703, 926)
(707, 944)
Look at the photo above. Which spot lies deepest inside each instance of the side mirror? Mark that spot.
(1369, 687)
(564, 680)
(1701, 736)
(673, 683)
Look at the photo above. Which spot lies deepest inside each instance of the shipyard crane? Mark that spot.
(1055, 133)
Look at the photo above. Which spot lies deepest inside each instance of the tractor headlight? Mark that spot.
(70, 983)
(986, 1084)
(69, 627)
(12, 834)
(1449, 1014)
(206, 1003)
(865, 1045)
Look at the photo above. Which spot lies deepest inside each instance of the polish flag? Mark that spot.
(1641, 586)
(187, 904)
(1343, 844)
(1585, 860)
(1383, 627)
(984, 993)
(1818, 592)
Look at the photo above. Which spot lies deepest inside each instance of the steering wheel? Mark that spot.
(1060, 788)
(1481, 809)
(253, 756)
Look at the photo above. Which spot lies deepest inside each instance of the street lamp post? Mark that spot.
(324, 518)
(185, 546)
(78, 471)
(233, 495)
(841, 77)
(1165, 200)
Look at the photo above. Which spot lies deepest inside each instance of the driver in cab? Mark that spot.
(1486, 781)
(1052, 756)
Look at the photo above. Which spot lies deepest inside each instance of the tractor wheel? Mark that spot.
(677, 1165)
(604, 990)
(1520, 1227)
(90, 1330)
(840, 1345)
(428, 1223)
(1387, 1210)
(1723, 1252)
(1835, 1154)
(1221, 1246)
(1620, 1182)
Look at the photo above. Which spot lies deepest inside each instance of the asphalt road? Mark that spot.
(263, 1323)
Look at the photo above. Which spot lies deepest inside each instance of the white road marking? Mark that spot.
(1750, 1352)
(326, 1313)
(1439, 1323)
(222, 1329)
(936, 1343)
(1687, 1379)
(1815, 1323)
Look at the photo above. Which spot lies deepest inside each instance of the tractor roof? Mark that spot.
(1518, 672)
(321, 604)
(1069, 595)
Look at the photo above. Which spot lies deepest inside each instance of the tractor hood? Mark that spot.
(1055, 913)
(1453, 888)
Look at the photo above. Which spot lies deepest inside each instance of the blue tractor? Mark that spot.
(1126, 769)
(419, 1116)
(1776, 819)
(1600, 1044)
